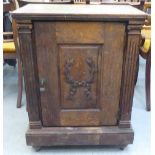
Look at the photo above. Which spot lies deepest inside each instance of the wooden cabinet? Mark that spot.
(79, 65)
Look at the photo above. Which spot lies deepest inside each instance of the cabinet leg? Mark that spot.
(122, 147)
(37, 148)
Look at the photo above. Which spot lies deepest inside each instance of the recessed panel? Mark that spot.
(79, 69)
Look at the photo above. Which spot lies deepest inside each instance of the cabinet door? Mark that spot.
(80, 68)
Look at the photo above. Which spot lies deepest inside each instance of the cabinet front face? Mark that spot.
(80, 69)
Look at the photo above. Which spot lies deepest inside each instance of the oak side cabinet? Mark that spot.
(79, 64)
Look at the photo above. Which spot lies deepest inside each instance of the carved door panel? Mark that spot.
(80, 68)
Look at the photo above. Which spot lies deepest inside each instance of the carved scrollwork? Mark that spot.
(74, 84)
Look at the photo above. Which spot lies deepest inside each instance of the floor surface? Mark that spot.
(16, 123)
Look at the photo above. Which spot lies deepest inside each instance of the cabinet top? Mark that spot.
(78, 12)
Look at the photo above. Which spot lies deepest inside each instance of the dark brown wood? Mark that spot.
(79, 68)
(129, 74)
(71, 136)
(30, 73)
(102, 96)
(20, 84)
(15, 54)
(147, 82)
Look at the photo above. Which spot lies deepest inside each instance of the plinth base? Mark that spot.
(67, 136)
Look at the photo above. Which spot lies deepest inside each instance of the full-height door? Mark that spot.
(80, 68)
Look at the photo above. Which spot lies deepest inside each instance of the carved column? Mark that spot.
(28, 55)
(131, 55)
